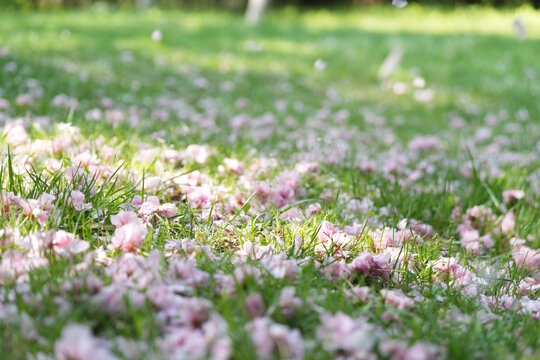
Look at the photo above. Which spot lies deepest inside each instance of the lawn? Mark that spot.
(180, 185)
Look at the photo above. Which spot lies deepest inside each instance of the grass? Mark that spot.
(210, 68)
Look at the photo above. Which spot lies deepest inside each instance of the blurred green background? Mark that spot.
(238, 5)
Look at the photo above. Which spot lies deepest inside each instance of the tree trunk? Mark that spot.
(255, 10)
(144, 4)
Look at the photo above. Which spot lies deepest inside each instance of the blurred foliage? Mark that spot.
(239, 4)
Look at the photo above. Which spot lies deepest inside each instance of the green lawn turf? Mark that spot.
(471, 58)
